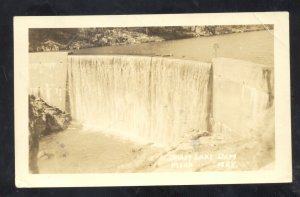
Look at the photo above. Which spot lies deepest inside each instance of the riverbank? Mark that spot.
(80, 38)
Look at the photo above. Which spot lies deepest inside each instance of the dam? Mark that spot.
(178, 105)
(156, 99)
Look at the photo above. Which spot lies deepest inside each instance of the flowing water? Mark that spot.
(154, 98)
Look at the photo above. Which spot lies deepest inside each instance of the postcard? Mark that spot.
(166, 99)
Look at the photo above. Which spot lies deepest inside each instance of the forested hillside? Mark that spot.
(56, 39)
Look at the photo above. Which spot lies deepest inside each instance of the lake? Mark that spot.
(255, 46)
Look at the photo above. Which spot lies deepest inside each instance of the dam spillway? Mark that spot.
(154, 98)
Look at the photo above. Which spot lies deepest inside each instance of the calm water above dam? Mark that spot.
(251, 46)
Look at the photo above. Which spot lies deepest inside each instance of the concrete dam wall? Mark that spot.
(47, 77)
(154, 98)
(243, 92)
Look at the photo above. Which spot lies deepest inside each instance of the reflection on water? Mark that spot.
(251, 46)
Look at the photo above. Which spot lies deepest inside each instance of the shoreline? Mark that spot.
(149, 39)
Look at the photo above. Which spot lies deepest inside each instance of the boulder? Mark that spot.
(46, 119)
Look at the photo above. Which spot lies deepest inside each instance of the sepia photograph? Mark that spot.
(184, 98)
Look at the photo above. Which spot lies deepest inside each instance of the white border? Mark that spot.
(283, 165)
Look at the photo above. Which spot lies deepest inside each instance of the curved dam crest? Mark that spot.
(155, 98)
(158, 99)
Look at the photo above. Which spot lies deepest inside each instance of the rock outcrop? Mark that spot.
(52, 119)
(43, 120)
(79, 38)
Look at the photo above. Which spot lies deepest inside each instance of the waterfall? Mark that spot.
(154, 98)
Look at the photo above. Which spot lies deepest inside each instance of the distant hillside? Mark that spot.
(56, 39)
